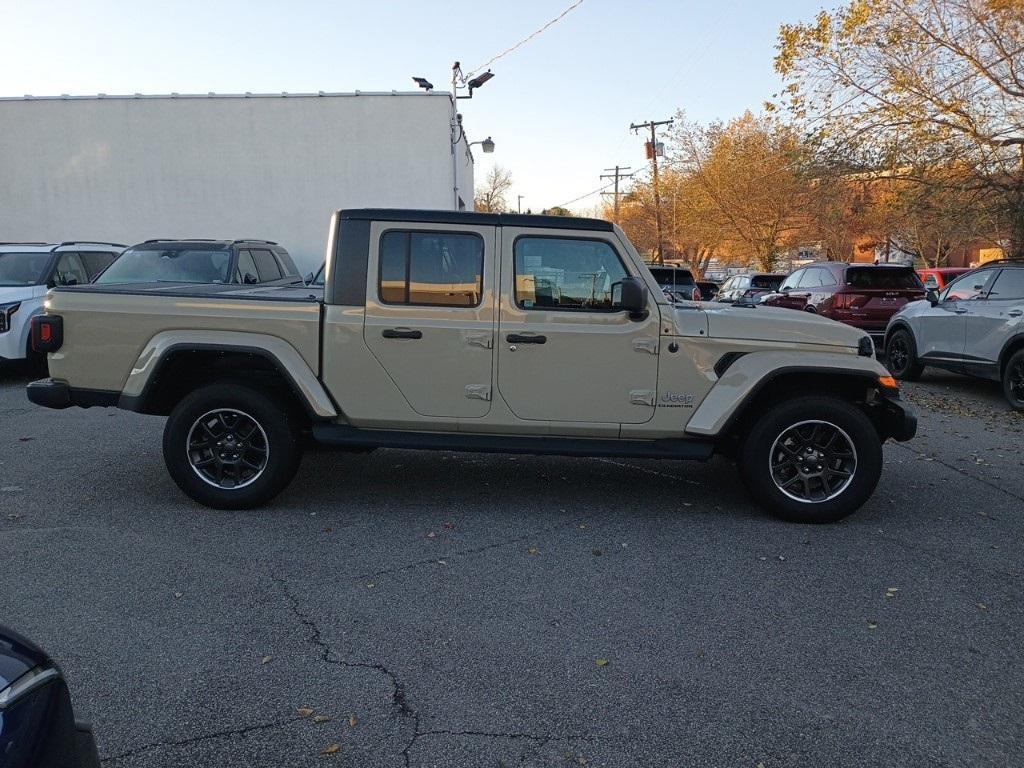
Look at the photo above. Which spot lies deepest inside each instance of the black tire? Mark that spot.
(901, 356)
(766, 447)
(1013, 380)
(254, 466)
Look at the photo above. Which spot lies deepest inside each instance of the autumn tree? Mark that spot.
(743, 186)
(490, 196)
(913, 86)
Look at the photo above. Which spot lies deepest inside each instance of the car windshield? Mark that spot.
(883, 278)
(671, 276)
(169, 265)
(18, 269)
(767, 282)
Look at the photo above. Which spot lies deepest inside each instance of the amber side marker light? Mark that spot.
(888, 382)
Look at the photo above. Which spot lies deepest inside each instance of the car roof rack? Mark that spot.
(91, 242)
(182, 240)
(1008, 260)
(17, 242)
(253, 240)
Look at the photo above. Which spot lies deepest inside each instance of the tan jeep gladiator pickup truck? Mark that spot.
(477, 332)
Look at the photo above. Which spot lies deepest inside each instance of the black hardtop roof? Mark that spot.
(416, 215)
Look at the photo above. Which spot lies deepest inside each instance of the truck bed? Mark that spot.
(193, 290)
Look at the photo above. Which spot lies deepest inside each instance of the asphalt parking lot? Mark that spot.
(488, 610)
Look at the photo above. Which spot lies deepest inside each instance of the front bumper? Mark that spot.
(54, 393)
(895, 419)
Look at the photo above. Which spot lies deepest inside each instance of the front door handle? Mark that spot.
(401, 333)
(1016, 312)
(522, 338)
(960, 311)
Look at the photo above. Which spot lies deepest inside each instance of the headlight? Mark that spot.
(866, 347)
(6, 312)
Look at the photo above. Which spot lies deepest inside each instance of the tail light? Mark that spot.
(47, 333)
(843, 300)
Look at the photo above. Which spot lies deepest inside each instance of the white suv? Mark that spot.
(975, 327)
(29, 270)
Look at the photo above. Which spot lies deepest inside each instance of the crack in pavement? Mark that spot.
(963, 472)
(242, 731)
(399, 700)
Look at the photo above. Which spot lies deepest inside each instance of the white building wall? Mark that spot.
(129, 169)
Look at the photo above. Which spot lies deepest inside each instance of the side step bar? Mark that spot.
(352, 437)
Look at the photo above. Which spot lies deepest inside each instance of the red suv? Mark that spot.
(862, 295)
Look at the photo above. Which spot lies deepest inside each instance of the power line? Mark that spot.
(526, 39)
(581, 197)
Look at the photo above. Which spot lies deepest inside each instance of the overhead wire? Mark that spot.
(525, 40)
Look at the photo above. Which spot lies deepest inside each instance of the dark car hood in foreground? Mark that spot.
(17, 656)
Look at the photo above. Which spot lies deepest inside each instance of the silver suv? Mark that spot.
(975, 326)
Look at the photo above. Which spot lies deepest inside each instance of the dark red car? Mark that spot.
(936, 278)
(862, 295)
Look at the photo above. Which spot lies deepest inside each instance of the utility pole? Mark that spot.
(617, 173)
(653, 125)
(519, 202)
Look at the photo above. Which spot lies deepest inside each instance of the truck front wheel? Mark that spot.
(230, 447)
(811, 459)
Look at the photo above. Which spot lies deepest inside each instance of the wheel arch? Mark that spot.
(898, 325)
(1012, 346)
(172, 365)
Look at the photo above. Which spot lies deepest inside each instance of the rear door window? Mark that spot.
(431, 268)
(1009, 285)
(71, 270)
(266, 265)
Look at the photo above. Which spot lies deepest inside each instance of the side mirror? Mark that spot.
(932, 296)
(630, 294)
(785, 288)
(250, 279)
(307, 278)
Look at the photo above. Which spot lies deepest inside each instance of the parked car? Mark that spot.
(29, 270)
(243, 262)
(676, 283)
(708, 290)
(427, 336)
(937, 278)
(862, 295)
(749, 289)
(975, 326)
(37, 724)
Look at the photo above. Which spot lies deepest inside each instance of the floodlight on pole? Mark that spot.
(423, 83)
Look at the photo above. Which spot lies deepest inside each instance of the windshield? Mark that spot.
(169, 265)
(17, 269)
(670, 276)
(884, 278)
(767, 282)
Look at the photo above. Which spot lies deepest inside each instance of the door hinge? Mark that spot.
(646, 344)
(642, 397)
(478, 392)
(485, 340)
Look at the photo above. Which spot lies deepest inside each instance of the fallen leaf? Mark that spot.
(450, 526)
(322, 719)
(431, 535)
(24, 439)
(601, 662)
(596, 552)
(304, 711)
(982, 606)
(370, 585)
(327, 530)
(266, 659)
(442, 562)
(331, 749)
(177, 594)
(872, 625)
(352, 721)
(533, 551)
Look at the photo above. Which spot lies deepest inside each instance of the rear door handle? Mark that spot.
(401, 333)
(521, 338)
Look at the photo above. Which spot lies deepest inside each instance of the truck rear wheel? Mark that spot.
(230, 447)
(811, 459)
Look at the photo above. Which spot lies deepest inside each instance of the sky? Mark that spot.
(558, 108)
